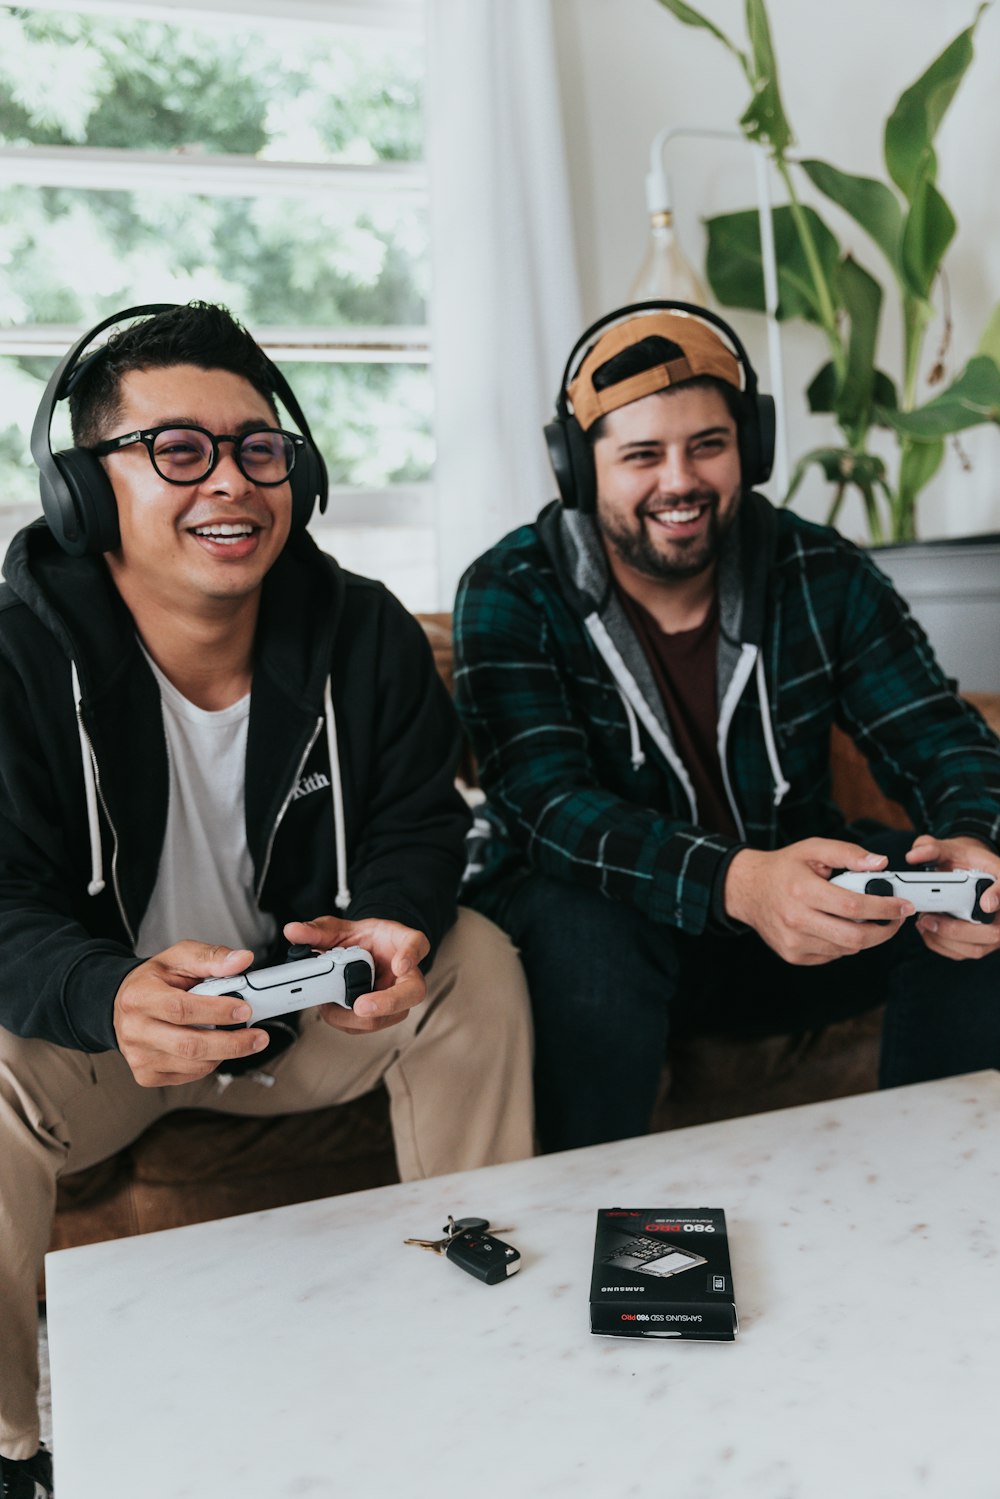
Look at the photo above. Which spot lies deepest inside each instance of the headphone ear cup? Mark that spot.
(309, 484)
(756, 437)
(79, 504)
(766, 427)
(558, 445)
(309, 481)
(572, 461)
(581, 457)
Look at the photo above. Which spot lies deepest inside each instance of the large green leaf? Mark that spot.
(928, 231)
(920, 462)
(914, 122)
(764, 118)
(821, 394)
(861, 297)
(735, 270)
(884, 392)
(869, 202)
(692, 17)
(972, 399)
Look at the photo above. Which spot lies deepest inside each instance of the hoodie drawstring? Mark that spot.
(343, 897)
(96, 884)
(781, 786)
(636, 750)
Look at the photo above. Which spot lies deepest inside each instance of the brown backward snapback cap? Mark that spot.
(700, 352)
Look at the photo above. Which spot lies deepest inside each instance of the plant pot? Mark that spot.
(953, 590)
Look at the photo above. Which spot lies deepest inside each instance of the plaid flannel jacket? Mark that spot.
(574, 749)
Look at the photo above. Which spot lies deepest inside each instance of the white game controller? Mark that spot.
(337, 977)
(955, 892)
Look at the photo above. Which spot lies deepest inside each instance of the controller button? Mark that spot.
(978, 914)
(297, 951)
(357, 981)
(878, 887)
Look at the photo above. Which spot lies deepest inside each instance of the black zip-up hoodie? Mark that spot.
(64, 951)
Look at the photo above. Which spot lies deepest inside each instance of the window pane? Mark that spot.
(371, 422)
(325, 261)
(219, 85)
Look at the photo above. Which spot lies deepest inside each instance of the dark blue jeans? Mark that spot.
(608, 985)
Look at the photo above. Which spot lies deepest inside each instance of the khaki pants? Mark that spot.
(457, 1071)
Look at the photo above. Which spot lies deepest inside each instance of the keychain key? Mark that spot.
(468, 1245)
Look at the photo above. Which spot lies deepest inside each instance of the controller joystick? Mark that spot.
(983, 883)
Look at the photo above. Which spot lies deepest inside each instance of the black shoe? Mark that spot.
(29, 1478)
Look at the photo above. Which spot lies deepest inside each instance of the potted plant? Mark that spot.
(909, 221)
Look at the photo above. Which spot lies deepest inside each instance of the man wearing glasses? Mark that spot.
(215, 743)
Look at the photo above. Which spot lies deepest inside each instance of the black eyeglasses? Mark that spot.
(186, 455)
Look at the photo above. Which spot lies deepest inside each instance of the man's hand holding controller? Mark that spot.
(951, 937)
(169, 1035)
(788, 897)
(397, 951)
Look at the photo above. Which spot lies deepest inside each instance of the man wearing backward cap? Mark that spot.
(649, 675)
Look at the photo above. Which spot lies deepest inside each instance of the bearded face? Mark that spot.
(668, 482)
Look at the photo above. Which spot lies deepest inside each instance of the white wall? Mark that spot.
(627, 68)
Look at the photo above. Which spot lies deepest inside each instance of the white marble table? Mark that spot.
(307, 1352)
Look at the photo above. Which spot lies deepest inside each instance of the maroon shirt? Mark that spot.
(683, 664)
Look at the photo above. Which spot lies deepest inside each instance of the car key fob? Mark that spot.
(484, 1256)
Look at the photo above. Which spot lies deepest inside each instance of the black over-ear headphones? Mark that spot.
(570, 449)
(77, 498)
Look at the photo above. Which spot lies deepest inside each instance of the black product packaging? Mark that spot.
(663, 1273)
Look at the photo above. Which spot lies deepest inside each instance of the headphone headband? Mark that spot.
(77, 497)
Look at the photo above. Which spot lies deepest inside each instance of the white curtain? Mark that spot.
(504, 297)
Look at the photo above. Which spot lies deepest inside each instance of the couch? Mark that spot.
(194, 1166)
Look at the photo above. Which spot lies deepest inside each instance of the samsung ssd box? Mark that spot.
(663, 1273)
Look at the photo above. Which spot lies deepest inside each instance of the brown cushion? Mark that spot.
(854, 787)
(712, 1077)
(202, 1146)
(95, 1205)
(437, 628)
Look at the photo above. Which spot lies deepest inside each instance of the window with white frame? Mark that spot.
(266, 154)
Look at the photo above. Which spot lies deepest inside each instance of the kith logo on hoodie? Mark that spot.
(315, 782)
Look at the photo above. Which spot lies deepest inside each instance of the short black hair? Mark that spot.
(646, 355)
(200, 333)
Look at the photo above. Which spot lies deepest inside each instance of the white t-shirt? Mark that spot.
(204, 885)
